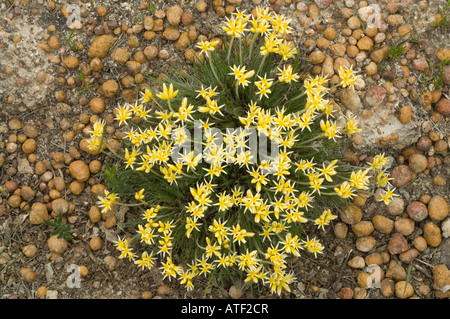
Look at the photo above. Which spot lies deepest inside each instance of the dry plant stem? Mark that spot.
(251, 45)
(229, 50)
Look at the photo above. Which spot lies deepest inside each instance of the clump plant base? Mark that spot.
(227, 163)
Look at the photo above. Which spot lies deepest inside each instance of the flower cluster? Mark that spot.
(226, 207)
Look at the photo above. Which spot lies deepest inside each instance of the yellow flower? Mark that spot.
(206, 46)
(382, 179)
(147, 96)
(123, 114)
(379, 161)
(347, 76)
(139, 195)
(234, 27)
(345, 190)
(286, 74)
(352, 125)
(386, 197)
(330, 129)
(167, 94)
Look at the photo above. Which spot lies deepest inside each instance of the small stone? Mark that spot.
(441, 147)
(27, 193)
(30, 131)
(235, 292)
(371, 68)
(338, 49)
(353, 23)
(109, 88)
(365, 243)
(95, 243)
(151, 52)
(432, 234)
(60, 205)
(387, 287)
(403, 290)
(183, 42)
(322, 4)
(148, 23)
(28, 274)
(378, 55)
(330, 33)
(363, 228)
(174, 14)
(439, 181)
(374, 259)
(38, 213)
(443, 54)
(346, 293)
(163, 290)
(350, 99)
(41, 292)
(408, 256)
(201, 6)
(417, 211)
(424, 144)
(51, 294)
(110, 262)
(441, 277)
(395, 271)
(375, 96)
(401, 175)
(405, 114)
(97, 105)
(14, 201)
(363, 279)
(79, 170)
(327, 67)
(424, 290)
(395, 20)
(101, 45)
(420, 65)
(29, 146)
(71, 62)
(323, 44)
(356, 262)
(438, 208)
(133, 67)
(383, 224)
(317, 57)
(396, 206)
(187, 18)
(340, 230)
(445, 227)
(420, 243)
(121, 55)
(365, 44)
(57, 245)
(397, 244)
(404, 31)
(351, 214)
(360, 293)
(30, 251)
(146, 294)
(404, 226)
(171, 34)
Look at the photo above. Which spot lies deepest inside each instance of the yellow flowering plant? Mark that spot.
(211, 199)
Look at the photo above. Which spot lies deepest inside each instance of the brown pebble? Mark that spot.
(95, 243)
